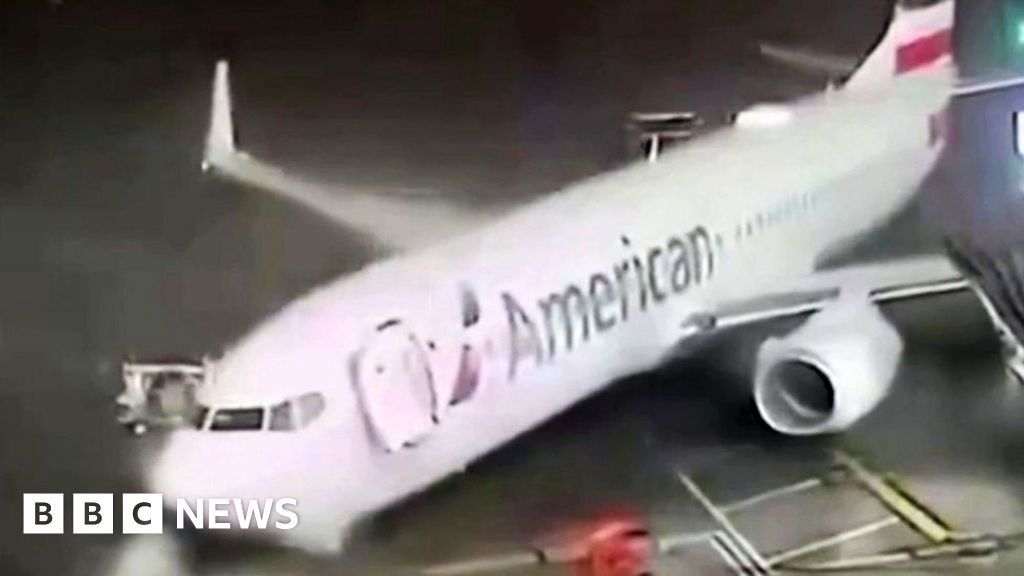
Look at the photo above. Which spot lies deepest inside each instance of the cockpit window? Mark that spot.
(292, 414)
(296, 413)
(231, 419)
(310, 407)
(281, 417)
(198, 417)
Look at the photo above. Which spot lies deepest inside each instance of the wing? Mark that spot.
(901, 279)
(396, 223)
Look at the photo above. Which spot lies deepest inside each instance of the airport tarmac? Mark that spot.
(112, 243)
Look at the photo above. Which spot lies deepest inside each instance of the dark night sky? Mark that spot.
(520, 95)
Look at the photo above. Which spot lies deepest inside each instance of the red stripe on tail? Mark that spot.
(924, 51)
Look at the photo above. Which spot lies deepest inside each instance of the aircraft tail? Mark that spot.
(917, 40)
(220, 137)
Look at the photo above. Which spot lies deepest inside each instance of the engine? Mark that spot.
(829, 373)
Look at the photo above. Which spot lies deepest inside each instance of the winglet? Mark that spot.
(220, 137)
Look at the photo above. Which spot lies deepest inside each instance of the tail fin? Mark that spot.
(220, 137)
(917, 39)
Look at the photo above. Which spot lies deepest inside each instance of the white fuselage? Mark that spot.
(629, 256)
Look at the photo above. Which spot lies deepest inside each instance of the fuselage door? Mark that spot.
(394, 381)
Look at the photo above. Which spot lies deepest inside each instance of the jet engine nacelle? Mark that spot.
(829, 373)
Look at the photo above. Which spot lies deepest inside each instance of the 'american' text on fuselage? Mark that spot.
(605, 299)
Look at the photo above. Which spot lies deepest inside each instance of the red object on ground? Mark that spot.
(615, 547)
(924, 51)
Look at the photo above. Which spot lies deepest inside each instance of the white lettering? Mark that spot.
(218, 508)
(195, 515)
(280, 506)
(253, 509)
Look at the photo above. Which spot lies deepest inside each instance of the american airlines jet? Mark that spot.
(478, 327)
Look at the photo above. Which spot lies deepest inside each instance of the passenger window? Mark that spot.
(281, 417)
(199, 416)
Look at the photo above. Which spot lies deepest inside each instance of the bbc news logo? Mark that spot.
(144, 513)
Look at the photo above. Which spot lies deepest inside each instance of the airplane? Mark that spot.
(479, 327)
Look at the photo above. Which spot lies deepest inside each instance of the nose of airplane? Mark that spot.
(193, 464)
(177, 469)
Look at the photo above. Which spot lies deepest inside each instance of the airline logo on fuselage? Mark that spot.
(566, 318)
